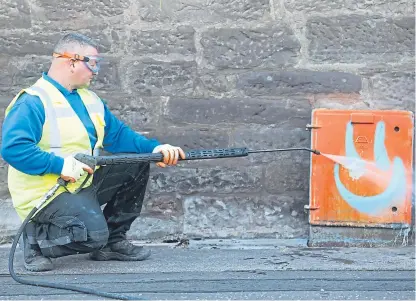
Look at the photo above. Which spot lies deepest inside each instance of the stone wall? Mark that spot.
(222, 73)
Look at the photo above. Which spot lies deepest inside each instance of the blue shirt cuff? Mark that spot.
(57, 165)
(147, 147)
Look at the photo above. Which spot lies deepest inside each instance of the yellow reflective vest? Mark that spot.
(63, 134)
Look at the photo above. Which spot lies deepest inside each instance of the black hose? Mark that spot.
(55, 285)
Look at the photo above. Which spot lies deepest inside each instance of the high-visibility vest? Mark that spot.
(63, 134)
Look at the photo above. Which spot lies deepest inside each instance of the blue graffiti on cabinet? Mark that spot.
(395, 192)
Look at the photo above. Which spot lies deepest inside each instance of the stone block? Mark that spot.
(10, 221)
(241, 48)
(179, 40)
(4, 190)
(151, 77)
(28, 71)
(328, 6)
(144, 228)
(244, 216)
(393, 90)
(6, 75)
(14, 14)
(288, 173)
(190, 138)
(360, 39)
(257, 137)
(205, 180)
(4, 103)
(200, 11)
(236, 110)
(215, 84)
(42, 43)
(2, 117)
(297, 82)
(21, 43)
(53, 10)
(340, 101)
(137, 112)
(162, 206)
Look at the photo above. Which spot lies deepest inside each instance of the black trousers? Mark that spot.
(75, 223)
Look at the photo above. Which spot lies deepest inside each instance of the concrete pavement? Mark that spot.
(232, 269)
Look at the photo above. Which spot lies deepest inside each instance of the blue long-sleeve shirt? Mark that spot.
(22, 130)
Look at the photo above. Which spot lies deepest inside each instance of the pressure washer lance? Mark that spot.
(94, 161)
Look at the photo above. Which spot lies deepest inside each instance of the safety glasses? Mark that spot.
(92, 62)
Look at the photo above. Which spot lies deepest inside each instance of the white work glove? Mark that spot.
(74, 169)
(170, 154)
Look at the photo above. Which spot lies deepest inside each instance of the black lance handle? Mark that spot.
(93, 161)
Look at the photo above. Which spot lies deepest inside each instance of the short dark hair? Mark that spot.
(70, 39)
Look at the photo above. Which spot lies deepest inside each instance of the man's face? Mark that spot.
(82, 75)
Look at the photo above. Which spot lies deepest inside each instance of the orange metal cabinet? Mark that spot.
(385, 139)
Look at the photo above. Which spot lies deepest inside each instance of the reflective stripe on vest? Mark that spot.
(51, 115)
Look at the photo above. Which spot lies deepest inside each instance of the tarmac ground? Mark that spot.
(229, 270)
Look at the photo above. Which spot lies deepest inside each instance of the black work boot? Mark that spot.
(122, 250)
(34, 261)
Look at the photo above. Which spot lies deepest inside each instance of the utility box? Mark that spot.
(361, 186)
